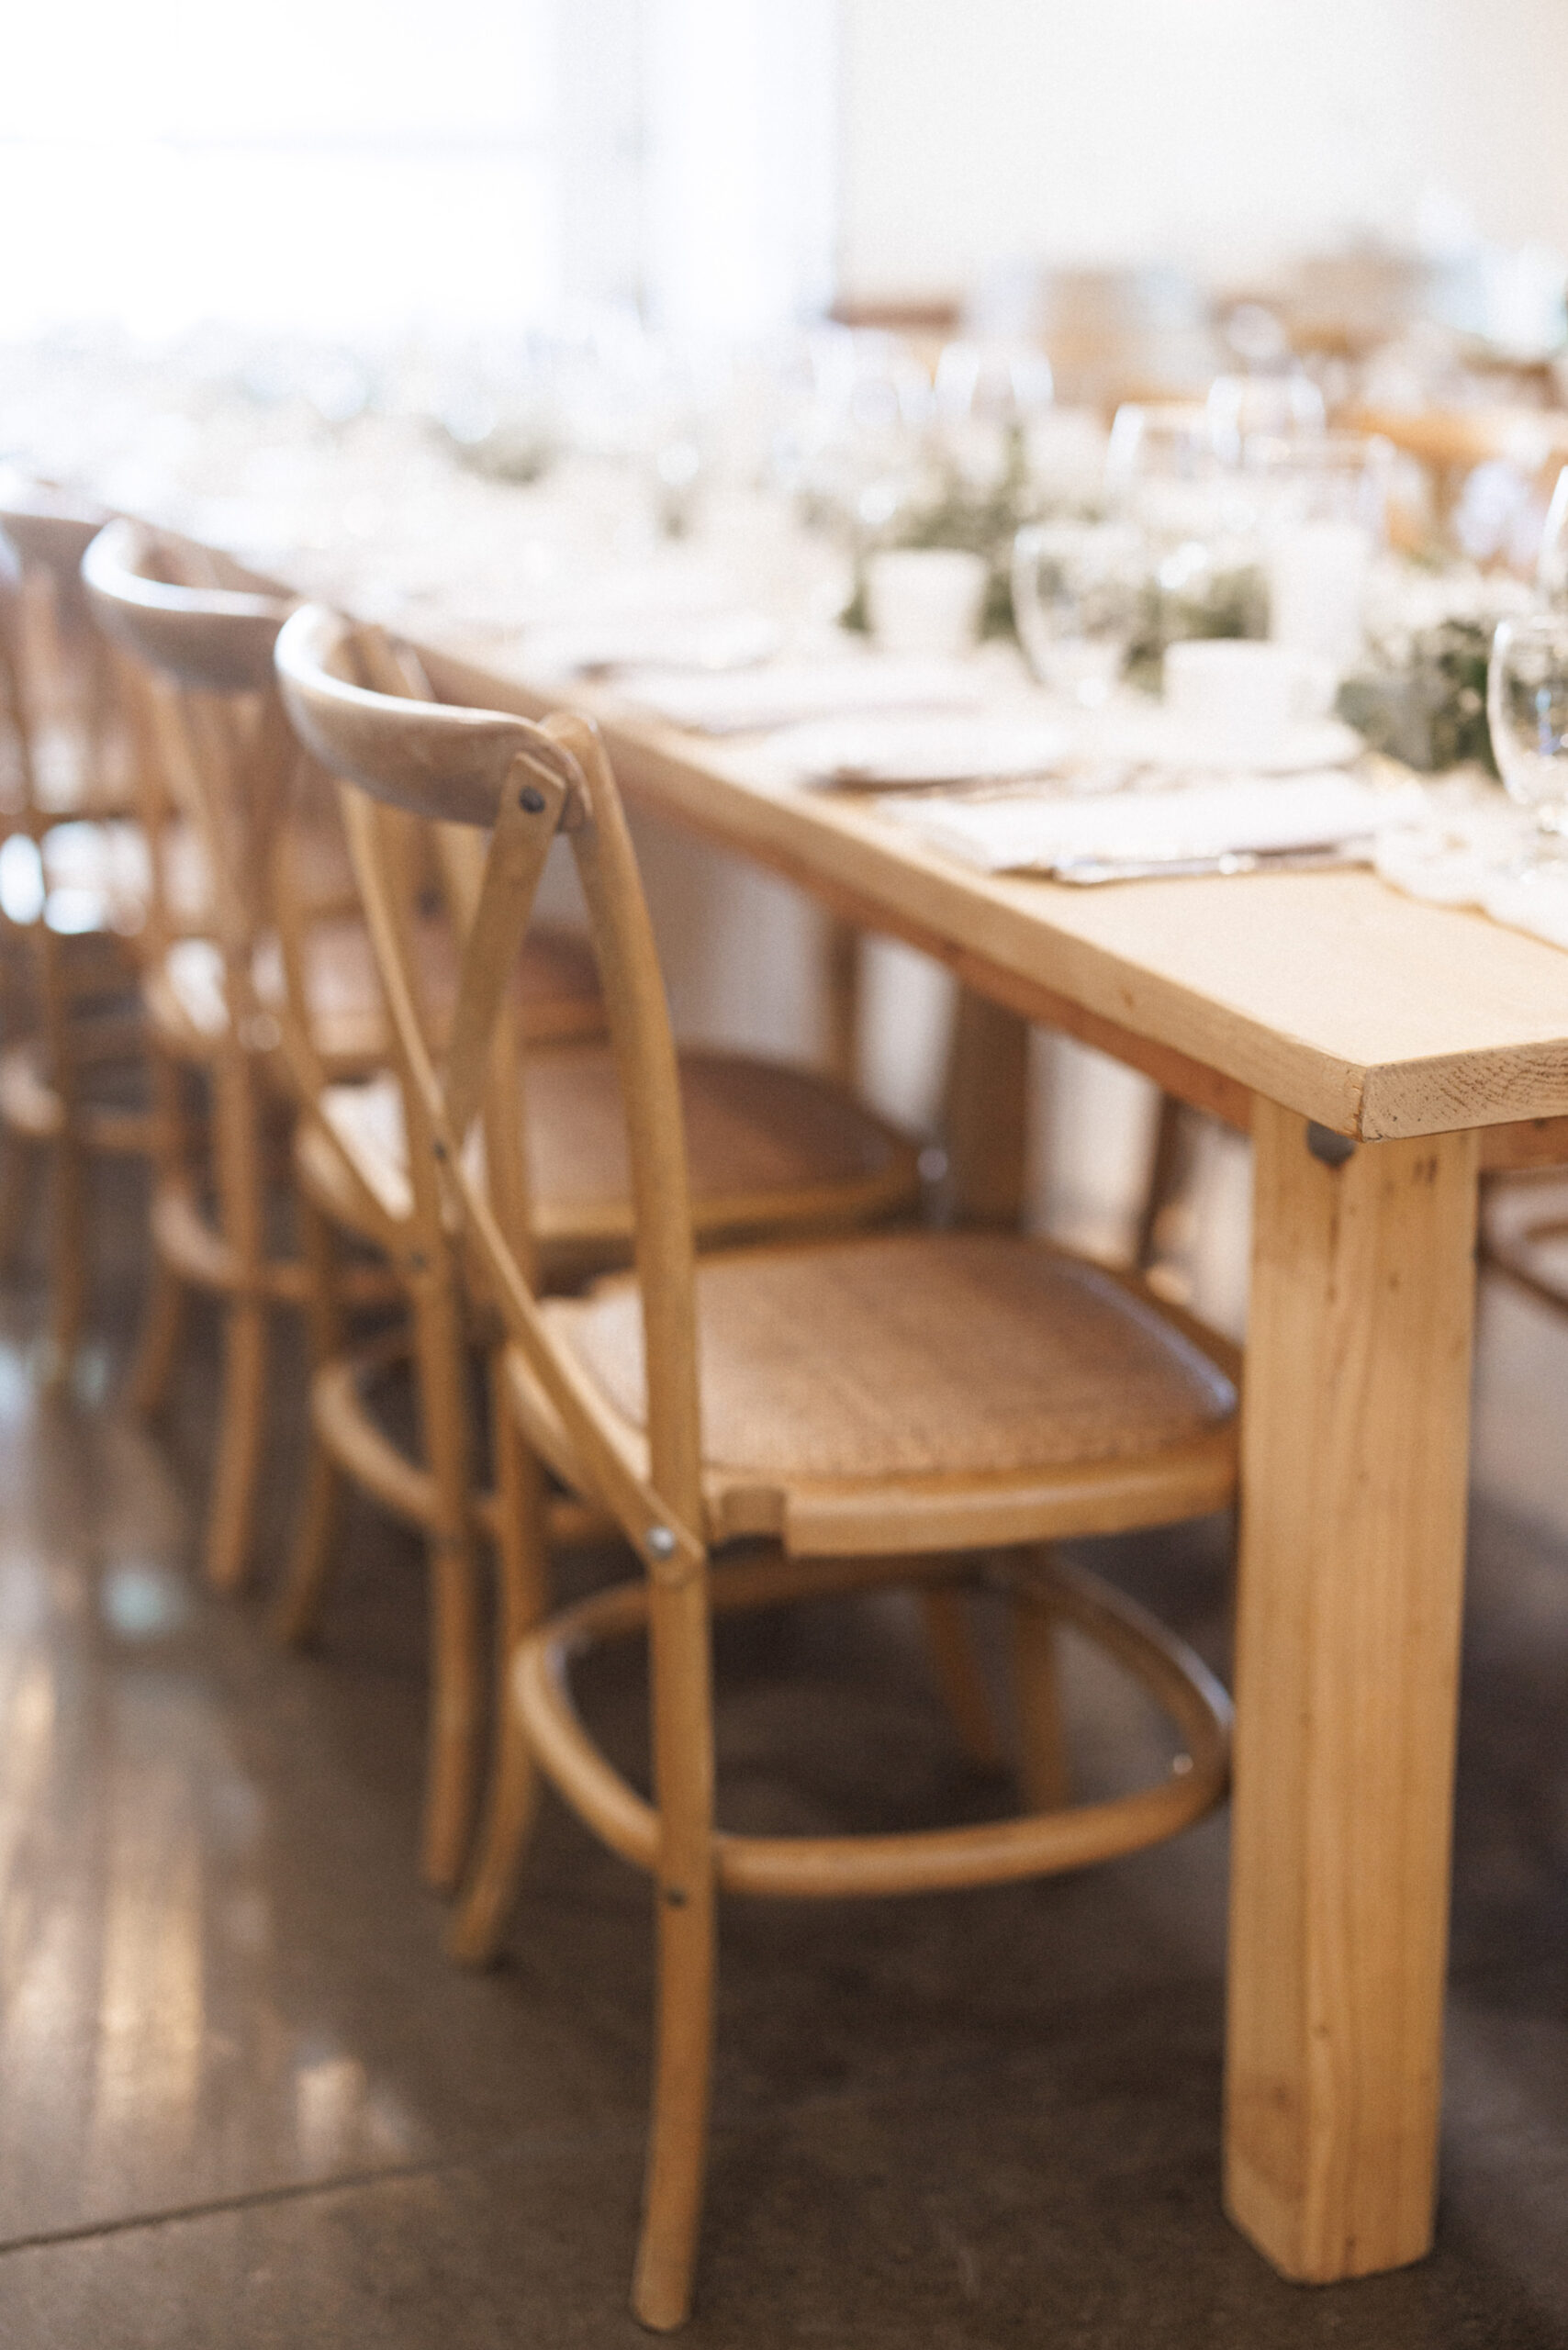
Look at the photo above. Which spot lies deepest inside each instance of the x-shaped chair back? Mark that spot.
(523, 784)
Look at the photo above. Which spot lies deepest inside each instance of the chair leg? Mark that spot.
(842, 987)
(986, 1114)
(241, 1433)
(457, 1680)
(677, 2147)
(1170, 1165)
(151, 1372)
(319, 1532)
(512, 1797)
(318, 1536)
(1043, 1767)
(950, 1636)
(16, 1196)
(240, 1161)
(68, 1255)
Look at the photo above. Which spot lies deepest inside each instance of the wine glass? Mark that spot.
(1076, 589)
(1287, 406)
(1163, 473)
(1551, 567)
(1526, 710)
(987, 395)
(1160, 440)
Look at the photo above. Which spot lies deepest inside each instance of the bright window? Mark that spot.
(338, 166)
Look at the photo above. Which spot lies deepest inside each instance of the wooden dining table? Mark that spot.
(1381, 1053)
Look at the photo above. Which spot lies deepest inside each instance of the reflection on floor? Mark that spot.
(244, 2100)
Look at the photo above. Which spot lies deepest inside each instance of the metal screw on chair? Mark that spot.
(1325, 1143)
(661, 1542)
(530, 799)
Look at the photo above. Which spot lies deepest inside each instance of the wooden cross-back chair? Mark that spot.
(72, 896)
(197, 669)
(353, 1162)
(775, 1149)
(81, 763)
(281, 1006)
(814, 1418)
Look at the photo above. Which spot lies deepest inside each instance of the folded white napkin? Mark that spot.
(1472, 847)
(1534, 898)
(751, 700)
(1019, 834)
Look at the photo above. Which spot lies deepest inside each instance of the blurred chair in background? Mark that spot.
(198, 646)
(75, 888)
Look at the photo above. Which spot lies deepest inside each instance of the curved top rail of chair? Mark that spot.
(46, 536)
(441, 760)
(216, 640)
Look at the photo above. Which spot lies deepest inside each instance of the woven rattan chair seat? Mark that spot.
(766, 1143)
(756, 1131)
(914, 1355)
(557, 989)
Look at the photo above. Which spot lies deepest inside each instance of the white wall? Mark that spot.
(327, 164)
(1220, 133)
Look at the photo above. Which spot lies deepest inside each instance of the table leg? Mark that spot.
(1354, 1455)
(842, 951)
(986, 1113)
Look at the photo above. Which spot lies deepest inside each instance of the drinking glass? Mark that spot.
(1164, 476)
(1162, 441)
(987, 395)
(1552, 567)
(1322, 517)
(1076, 589)
(1526, 710)
(1288, 407)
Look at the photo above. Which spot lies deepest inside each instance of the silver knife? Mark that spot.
(1087, 872)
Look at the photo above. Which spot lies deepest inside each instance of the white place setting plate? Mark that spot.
(892, 753)
(785, 693)
(710, 641)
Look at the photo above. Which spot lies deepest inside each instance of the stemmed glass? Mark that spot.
(1551, 569)
(1167, 440)
(1287, 406)
(987, 397)
(1526, 710)
(1076, 590)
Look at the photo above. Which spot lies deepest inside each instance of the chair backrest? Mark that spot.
(198, 644)
(66, 755)
(54, 671)
(522, 784)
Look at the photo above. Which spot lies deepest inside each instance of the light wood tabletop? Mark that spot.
(1366, 1011)
(1381, 1052)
